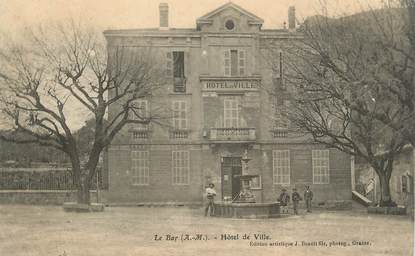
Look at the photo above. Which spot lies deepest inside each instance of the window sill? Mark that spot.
(179, 93)
(256, 189)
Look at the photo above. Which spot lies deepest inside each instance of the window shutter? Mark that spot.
(242, 61)
(169, 64)
(227, 62)
(281, 71)
(175, 114)
(184, 115)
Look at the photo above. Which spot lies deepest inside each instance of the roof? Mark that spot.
(209, 15)
(141, 30)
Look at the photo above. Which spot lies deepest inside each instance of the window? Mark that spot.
(404, 184)
(278, 74)
(178, 64)
(230, 25)
(234, 62)
(179, 115)
(256, 183)
(231, 112)
(175, 69)
(320, 160)
(281, 121)
(141, 112)
(140, 167)
(281, 166)
(180, 164)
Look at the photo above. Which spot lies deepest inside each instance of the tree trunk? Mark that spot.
(83, 195)
(385, 195)
(80, 181)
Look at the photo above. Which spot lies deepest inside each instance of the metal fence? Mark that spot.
(41, 179)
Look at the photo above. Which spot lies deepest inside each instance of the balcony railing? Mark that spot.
(232, 134)
(179, 84)
(279, 133)
(179, 134)
(141, 134)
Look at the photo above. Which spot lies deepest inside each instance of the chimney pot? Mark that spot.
(164, 15)
(291, 18)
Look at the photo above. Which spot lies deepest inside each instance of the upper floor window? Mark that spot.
(141, 112)
(231, 112)
(179, 108)
(229, 25)
(235, 61)
(175, 69)
(281, 120)
(278, 80)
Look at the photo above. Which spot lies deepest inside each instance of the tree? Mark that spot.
(345, 78)
(62, 71)
(399, 44)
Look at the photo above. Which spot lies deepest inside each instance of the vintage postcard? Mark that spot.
(216, 127)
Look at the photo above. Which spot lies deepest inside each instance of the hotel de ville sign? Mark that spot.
(230, 84)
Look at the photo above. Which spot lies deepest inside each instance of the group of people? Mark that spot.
(284, 199)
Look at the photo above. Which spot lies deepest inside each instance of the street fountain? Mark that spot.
(244, 205)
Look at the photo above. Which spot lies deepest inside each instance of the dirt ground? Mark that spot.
(47, 230)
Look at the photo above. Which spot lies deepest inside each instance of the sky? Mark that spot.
(105, 14)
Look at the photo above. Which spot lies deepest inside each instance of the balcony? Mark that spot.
(232, 134)
(179, 134)
(279, 133)
(141, 135)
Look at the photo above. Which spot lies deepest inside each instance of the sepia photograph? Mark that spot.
(215, 127)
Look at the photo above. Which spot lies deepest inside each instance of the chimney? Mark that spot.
(291, 18)
(164, 16)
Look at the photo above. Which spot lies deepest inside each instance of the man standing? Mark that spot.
(284, 199)
(296, 199)
(308, 196)
(210, 195)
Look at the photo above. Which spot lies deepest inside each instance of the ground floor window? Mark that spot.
(140, 167)
(180, 167)
(281, 166)
(320, 166)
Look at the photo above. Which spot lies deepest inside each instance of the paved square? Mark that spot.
(47, 230)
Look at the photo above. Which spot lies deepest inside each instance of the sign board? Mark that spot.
(230, 85)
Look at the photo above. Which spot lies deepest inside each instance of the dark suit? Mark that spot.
(296, 199)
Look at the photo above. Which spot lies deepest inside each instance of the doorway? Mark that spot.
(231, 170)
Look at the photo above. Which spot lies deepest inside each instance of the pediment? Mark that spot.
(230, 11)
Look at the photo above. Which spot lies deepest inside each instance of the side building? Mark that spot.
(221, 111)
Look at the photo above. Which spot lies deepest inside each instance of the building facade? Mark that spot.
(222, 110)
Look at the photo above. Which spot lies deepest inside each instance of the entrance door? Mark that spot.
(231, 171)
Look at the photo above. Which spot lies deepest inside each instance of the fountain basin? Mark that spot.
(247, 210)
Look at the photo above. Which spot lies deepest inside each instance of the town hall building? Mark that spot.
(222, 112)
